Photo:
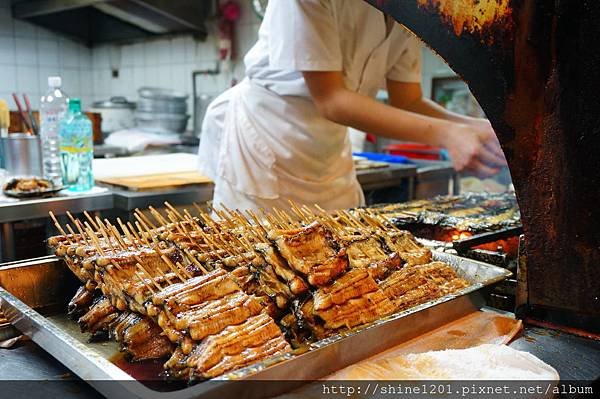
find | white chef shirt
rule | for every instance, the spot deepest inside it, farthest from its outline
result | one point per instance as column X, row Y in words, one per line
column 331, row 35
column 266, row 138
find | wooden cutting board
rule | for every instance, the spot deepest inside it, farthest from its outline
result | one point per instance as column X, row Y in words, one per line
column 159, row 181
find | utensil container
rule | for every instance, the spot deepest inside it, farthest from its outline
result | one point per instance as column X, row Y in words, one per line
column 22, row 154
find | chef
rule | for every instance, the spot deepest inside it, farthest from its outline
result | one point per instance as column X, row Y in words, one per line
column 281, row 134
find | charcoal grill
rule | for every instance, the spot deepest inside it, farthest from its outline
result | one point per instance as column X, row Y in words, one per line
column 494, row 241
column 487, row 229
column 534, row 67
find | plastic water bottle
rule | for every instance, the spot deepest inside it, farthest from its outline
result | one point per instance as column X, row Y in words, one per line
column 53, row 107
column 76, row 148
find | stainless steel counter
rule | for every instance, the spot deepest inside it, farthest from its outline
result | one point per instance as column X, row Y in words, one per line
column 14, row 211
column 391, row 176
column 129, row 200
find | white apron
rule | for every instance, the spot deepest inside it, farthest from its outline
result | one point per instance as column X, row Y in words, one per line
column 263, row 149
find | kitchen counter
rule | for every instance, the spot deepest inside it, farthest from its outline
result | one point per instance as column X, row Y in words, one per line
column 130, row 200
column 15, row 210
column 393, row 175
column 106, row 198
column 394, row 183
column 28, row 369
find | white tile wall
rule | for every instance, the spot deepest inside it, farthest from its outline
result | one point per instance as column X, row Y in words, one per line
column 29, row 54
column 169, row 62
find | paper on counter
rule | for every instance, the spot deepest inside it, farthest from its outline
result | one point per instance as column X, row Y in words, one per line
column 145, row 165
column 137, row 140
column 484, row 362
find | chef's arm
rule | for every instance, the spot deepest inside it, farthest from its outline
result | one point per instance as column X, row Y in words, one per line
column 472, row 146
column 346, row 107
column 409, row 97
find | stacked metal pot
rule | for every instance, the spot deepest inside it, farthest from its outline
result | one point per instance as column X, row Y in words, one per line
column 161, row 110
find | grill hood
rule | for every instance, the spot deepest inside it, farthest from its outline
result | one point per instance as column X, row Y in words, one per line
column 102, row 21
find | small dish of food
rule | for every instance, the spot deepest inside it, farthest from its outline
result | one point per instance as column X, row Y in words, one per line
column 27, row 187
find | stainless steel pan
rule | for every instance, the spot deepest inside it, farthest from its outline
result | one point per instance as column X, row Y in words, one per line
column 49, row 285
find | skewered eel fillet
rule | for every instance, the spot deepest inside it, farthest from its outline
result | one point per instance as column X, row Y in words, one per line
column 216, row 295
column 312, row 252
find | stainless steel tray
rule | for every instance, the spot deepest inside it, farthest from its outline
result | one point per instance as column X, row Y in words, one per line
column 31, row 288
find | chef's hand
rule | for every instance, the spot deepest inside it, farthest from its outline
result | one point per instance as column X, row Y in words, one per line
column 474, row 148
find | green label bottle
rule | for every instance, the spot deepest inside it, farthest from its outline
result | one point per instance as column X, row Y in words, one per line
column 76, row 148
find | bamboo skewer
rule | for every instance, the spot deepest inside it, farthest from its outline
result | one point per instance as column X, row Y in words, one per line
column 244, row 220
column 144, row 218
column 334, row 224
column 190, row 218
column 187, row 274
column 275, row 214
column 115, row 234
column 87, row 240
column 296, row 222
column 146, row 232
column 145, row 283
column 299, row 212
column 195, row 261
column 76, row 224
column 125, row 230
column 157, row 269
column 79, row 228
column 157, row 215
column 170, row 264
column 172, row 208
column 139, row 228
column 200, row 211
column 70, row 230
column 134, row 233
column 175, row 223
column 59, row 227
column 257, row 221
column 224, row 217
column 269, row 218
column 213, row 246
column 105, row 235
column 239, row 218
column 94, row 239
column 91, row 220
column 107, row 238
column 206, row 240
column 149, row 234
column 140, row 267
column 287, row 218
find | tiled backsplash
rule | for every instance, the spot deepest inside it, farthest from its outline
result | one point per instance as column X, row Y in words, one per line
column 29, row 54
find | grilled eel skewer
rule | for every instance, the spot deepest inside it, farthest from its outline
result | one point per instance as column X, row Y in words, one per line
column 216, row 296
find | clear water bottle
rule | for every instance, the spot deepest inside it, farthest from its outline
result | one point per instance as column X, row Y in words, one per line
column 76, row 148
column 53, row 107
